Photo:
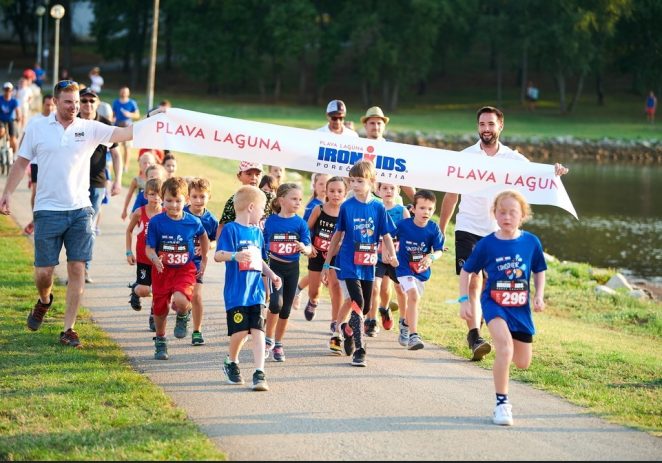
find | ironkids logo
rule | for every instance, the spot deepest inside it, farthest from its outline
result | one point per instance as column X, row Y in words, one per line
column 343, row 159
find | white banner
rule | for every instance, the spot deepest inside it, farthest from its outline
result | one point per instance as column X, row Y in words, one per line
column 313, row 151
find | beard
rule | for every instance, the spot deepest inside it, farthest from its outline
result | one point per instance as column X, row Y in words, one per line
column 489, row 139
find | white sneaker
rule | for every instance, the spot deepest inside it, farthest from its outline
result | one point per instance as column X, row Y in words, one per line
column 296, row 302
column 503, row 415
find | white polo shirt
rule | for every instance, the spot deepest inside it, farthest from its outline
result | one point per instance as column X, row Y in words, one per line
column 63, row 156
column 474, row 213
column 345, row 131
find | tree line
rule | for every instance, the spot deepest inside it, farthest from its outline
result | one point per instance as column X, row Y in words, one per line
column 380, row 49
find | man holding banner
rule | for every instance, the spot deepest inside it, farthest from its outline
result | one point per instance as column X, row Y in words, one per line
column 474, row 220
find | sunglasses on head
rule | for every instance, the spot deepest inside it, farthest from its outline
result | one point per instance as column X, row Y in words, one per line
column 337, row 118
column 87, row 100
column 66, row 83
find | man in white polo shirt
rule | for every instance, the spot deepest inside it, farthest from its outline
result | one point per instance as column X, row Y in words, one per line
column 474, row 219
column 62, row 145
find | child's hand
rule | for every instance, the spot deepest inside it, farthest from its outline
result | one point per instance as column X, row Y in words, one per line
column 123, row 214
column 158, row 265
column 276, row 281
column 538, row 304
column 394, row 261
column 466, row 311
column 313, row 252
column 131, row 259
column 324, row 276
column 243, row 256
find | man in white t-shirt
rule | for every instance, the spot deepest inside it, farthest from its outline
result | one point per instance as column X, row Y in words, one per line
column 335, row 115
column 62, row 145
column 474, row 219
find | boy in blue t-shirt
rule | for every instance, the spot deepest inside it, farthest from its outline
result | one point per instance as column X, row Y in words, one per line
column 421, row 243
column 199, row 192
column 509, row 256
column 170, row 247
column 241, row 247
column 361, row 221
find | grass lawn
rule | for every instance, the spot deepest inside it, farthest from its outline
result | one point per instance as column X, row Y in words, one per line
column 58, row 403
column 599, row 352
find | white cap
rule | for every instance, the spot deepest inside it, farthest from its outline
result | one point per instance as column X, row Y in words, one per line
column 7, row 85
column 336, row 106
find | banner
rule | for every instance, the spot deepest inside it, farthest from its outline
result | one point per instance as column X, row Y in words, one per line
column 309, row 150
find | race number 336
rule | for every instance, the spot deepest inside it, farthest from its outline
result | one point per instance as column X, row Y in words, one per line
column 510, row 293
column 365, row 254
column 174, row 254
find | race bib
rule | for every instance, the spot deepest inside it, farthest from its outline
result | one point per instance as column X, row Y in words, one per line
column 509, row 293
column 322, row 241
column 284, row 244
column 173, row 254
column 415, row 262
column 255, row 263
column 365, row 254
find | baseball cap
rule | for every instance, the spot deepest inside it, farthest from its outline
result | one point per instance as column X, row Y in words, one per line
column 7, row 85
column 87, row 91
column 248, row 165
column 336, row 107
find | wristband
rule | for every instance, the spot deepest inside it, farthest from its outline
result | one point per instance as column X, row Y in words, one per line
column 433, row 257
column 233, row 257
column 128, row 253
column 462, row 299
column 154, row 258
column 326, row 266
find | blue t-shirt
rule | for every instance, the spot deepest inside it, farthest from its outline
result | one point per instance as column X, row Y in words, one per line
column 312, row 204
column 363, row 224
column 396, row 213
column 509, row 264
column 281, row 233
column 8, row 109
column 415, row 243
column 243, row 282
column 129, row 105
column 209, row 223
column 174, row 239
column 141, row 200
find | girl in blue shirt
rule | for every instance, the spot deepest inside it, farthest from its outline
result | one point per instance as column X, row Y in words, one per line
column 286, row 237
column 509, row 256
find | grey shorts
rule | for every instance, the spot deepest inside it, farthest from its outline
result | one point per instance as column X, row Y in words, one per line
column 52, row 229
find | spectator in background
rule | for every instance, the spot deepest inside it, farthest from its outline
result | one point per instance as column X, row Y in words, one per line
column 651, row 107
column 532, row 95
column 40, row 75
column 335, row 115
column 24, row 97
column 96, row 81
column 10, row 114
column 125, row 110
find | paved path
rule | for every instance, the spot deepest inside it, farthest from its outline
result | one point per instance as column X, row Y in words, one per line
column 406, row 405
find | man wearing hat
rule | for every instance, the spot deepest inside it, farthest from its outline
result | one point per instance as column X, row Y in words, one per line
column 10, row 113
column 335, row 114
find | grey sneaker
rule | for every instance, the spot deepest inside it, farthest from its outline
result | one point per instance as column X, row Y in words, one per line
column 181, row 326
column 232, row 372
column 358, row 360
column 480, row 349
column 415, row 342
column 309, row 311
column 259, row 381
column 403, row 339
column 160, row 348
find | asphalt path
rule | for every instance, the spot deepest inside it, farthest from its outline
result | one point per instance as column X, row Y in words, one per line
column 420, row 405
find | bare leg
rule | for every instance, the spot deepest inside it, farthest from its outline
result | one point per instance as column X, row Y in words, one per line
column 503, row 343
column 75, row 285
column 197, row 307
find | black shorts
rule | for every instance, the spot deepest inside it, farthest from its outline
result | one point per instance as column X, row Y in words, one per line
column 465, row 243
column 246, row 319
column 315, row 263
column 522, row 337
column 12, row 130
column 33, row 173
column 382, row 269
column 144, row 274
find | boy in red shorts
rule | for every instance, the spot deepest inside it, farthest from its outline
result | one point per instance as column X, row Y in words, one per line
column 170, row 247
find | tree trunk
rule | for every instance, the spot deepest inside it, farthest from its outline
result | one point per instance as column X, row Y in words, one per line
column 386, row 91
column 578, row 92
column 525, row 73
column 277, row 86
column 262, row 89
column 599, row 89
column 365, row 93
column 499, row 78
column 395, row 96
column 560, row 82
column 168, row 41
column 303, row 78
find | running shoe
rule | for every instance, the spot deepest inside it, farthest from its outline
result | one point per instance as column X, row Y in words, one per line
column 151, row 323
column 415, row 342
column 503, row 415
column 358, row 360
column 259, row 381
column 335, row 345
column 36, row 315
column 181, row 326
column 371, row 329
column 309, row 311
column 160, row 348
column 232, row 372
column 387, row 321
column 348, row 338
column 403, row 339
column 268, row 347
column 393, row 306
column 135, row 299
column 279, row 354
column 70, row 338
column 296, row 302
column 197, row 339
column 333, row 327
column 480, row 349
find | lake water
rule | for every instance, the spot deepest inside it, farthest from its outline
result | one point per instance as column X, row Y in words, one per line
column 620, row 218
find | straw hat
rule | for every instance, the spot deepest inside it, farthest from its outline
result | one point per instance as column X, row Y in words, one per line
column 375, row 111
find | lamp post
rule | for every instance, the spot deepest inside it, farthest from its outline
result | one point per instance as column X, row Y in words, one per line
column 40, row 11
column 152, row 57
column 57, row 13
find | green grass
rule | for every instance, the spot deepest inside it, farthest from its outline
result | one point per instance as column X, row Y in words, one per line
column 58, row 403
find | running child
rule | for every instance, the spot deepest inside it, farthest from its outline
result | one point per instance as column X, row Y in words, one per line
column 140, row 218
column 385, row 273
column 268, row 184
column 241, row 247
column 170, row 246
column 318, row 184
column 199, row 193
column 421, row 243
column 509, row 256
column 153, row 171
column 361, row 221
column 322, row 223
column 286, row 237
column 138, row 182
column 170, row 164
